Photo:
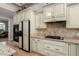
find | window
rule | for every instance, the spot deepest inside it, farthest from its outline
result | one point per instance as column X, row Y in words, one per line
column 2, row 26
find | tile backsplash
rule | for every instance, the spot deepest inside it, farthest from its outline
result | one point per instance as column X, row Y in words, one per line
column 58, row 29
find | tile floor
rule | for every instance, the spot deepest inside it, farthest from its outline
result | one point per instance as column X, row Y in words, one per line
column 19, row 52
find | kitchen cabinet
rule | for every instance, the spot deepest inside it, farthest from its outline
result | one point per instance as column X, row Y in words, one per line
column 34, row 45
column 37, row 46
column 48, row 13
column 72, row 49
column 18, row 17
column 48, row 48
column 52, row 48
column 55, row 12
column 39, row 21
column 73, row 16
column 77, row 50
column 59, row 10
column 40, row 47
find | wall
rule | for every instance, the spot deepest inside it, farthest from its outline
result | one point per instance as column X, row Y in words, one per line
column 58, row 29
column 10, row 29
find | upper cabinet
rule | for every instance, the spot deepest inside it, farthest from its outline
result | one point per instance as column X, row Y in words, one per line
column 55, row 12
column 40, row 21
column 48, row 12
column 59, row 10
column 73, row 16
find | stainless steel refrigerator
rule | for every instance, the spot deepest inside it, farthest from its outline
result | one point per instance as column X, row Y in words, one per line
column 24, row 35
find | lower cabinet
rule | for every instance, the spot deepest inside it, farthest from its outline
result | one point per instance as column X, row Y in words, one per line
column 54, row 48
column 77, row 50
column 33, row 45
column 46, row 47
column 37, row 46
column 72, row 49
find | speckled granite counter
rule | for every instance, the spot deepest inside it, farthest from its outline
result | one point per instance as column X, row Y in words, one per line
column 66, row 40
column 5, row 50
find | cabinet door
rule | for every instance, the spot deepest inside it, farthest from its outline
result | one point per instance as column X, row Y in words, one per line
column 34, row 45
column 42, row 23
column 72, row 49
column 77, row 51
column 48, row 11
column 37, row 20
column 73, row 16
column 59, row 10
column 40, row 47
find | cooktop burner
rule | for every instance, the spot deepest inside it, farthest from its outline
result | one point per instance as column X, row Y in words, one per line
column 55, row 37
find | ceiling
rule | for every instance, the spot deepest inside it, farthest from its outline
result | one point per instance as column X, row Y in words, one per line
column 23, row 4
column 10, row 9
column 6, row 13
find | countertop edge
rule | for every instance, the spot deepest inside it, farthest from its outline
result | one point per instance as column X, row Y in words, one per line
column 65, row 40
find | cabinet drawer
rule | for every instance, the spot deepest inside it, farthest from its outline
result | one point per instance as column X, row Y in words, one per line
column 55, row 48
column 53, row 53
column 54, row 43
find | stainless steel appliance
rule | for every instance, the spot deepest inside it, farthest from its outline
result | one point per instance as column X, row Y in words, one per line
column 24, row 35
column 55, row 37
column 15, row 32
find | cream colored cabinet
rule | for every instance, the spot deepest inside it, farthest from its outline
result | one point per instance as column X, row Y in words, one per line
column 46, row 47
column 48, row 13
column 55, row 12
column 34, row 45
column 60, row 12
column 39, row 21
column 72, row 49
column 77, row 50
column 40, row 47
column 37, row 46
column 42, row 24
column 53, row 48
column 18, row 17
column 73, row 16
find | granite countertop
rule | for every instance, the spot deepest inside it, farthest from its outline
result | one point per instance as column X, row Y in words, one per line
column 5, row 50
column 66, row 40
